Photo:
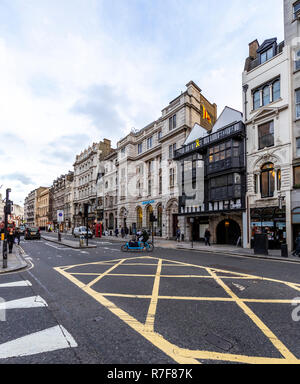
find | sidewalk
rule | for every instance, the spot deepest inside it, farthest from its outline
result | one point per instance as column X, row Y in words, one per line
column 67, row 243
column 15, row 261
column 216, row 249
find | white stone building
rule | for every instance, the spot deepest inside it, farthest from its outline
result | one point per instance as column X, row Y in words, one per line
column 267, row 114
column 292, row 41
column 143, row 174
column 86, row 170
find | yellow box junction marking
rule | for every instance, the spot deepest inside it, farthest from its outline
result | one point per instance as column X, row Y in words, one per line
column 181, row 355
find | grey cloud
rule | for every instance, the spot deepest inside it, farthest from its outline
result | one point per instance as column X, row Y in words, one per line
column 65, row 148
column 100, row 103
column 18, row 177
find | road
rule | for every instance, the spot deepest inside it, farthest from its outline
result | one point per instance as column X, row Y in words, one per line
column 167, row 307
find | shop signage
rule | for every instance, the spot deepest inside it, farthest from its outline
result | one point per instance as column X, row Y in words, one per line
column 148, row 202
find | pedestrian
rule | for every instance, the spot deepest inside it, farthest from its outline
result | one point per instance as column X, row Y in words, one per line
column 178, row 233
column 207, row 237
column 18, row 235
column 116, row 232
column 10, row 239
column 297, row 251
column 126, row 231
column 122, row 233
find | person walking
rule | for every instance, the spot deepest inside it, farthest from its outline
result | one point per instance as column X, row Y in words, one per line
column 178, row 233
column 207, row 237
column 18, row 235
column 10, row 239
column 116, row 232
column 122, row 233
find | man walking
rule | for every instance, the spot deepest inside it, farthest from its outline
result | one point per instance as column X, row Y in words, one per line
column 18, row 235
column 10, row 239
column 178, row 233
column 207, row 237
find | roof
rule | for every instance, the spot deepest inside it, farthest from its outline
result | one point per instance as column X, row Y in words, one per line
column 196, row 133
column 227, row 117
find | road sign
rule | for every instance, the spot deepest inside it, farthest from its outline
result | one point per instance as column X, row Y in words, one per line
column 60, row 216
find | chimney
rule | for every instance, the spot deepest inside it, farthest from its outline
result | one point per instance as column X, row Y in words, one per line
column 253, row 47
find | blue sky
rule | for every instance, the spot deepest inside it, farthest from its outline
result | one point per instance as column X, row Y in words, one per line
column 73, row 72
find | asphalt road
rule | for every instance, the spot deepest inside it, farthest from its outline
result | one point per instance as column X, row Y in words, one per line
column 107, row 307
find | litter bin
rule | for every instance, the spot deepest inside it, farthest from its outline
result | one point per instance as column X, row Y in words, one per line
column 261, row 244
column 284, row 250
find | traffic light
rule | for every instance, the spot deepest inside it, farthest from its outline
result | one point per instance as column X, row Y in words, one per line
column 9, row 207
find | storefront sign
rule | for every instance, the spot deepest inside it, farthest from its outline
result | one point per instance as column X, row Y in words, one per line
column 148, row 202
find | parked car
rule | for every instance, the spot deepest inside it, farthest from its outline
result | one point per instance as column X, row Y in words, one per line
column 32, row 233
column 81, row 231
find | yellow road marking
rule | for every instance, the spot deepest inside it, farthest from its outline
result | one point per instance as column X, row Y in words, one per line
column 149, row 326
column 184, row 356
column 270, row 335
column 104, row 274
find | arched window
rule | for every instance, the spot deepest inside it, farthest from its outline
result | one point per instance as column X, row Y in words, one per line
column 266, row 95
column 139, row 218
column 276, row 90
column 267, row 180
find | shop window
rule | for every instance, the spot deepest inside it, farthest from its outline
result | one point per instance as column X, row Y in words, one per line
column 266, row 135
column 267, row 180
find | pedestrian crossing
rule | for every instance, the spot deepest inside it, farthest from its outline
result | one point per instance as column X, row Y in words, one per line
column 27, row 328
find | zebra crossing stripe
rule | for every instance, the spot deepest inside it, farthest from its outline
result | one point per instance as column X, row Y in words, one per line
column 48, row 340
column 23, row 283
column 26, row 302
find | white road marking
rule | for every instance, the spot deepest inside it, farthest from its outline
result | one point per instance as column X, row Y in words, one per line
column 240, row 287
column 54, row 246
column 23, row 283
column 112, row 249
column 51, row 339
column 26, row 302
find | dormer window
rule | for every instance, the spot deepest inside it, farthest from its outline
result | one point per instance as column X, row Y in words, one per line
column 266, row 55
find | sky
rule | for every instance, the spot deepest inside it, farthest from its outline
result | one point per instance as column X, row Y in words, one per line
column 73, row 72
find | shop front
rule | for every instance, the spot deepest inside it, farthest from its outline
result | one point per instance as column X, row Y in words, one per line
column 270, row 221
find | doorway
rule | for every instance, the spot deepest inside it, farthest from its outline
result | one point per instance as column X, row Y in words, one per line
column 228, row 232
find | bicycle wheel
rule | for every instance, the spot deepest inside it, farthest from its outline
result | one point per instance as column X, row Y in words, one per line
column 150, row 248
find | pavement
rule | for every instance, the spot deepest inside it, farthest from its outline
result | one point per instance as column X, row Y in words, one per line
column 215, row 249
column 15, row 261
column 68, row 243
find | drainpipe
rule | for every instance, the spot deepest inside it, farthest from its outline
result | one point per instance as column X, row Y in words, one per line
column 245, row 89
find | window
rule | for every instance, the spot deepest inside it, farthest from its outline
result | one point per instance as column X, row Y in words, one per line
column 149, row 187
column 267, row 180
column 149, row 142
column 267, row 55
column 296, row 9
column 172, row 177
column 160, row 184
column 279, row 180
column 266, row 95
column 297, row 176
column 194, row 174
column 159, row 135
column 220, row 152
column 297, row 99
column 276, row 90
column 297, row 61
column 255, row 184
column 123, row 152
column 172, row 122
column 256, row 100
column 140, row 148
column 266, row 135
column 172, row 149
column 298, row 147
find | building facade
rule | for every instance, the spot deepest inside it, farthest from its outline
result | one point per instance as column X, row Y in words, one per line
column 143, row 173
column 42, row 208
column 69, row 201
column 30, row 209
column 212, row 181
column 267, row 112
column 292, row 41
column 57, row 192
column 87, row 168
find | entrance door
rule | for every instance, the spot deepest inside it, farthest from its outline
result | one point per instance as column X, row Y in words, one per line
column 296, row 231
column 175, row 224
column 228, row 232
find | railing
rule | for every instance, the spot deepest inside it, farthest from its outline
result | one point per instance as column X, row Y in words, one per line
column 210, row 139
